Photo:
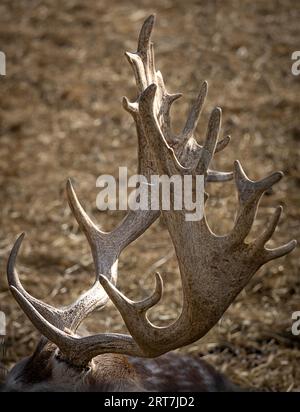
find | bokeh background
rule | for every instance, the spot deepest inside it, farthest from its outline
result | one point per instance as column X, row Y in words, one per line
column 61, row 117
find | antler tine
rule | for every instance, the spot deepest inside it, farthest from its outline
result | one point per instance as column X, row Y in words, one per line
column 215, row 176
column 127, row 306
column 214, row 269
column 94, row 235
column 208, row 150
column 105, row 248
column 166, row 160
column 259, row 243
column 164, row 154
column 270, row 229
column 194, row 114
column 222, row 144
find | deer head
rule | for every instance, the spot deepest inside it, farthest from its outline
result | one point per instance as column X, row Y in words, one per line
column 214, row 269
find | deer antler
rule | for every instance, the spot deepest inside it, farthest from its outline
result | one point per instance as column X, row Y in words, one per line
column 184, row 145
column 214, row 269
column 105, row 248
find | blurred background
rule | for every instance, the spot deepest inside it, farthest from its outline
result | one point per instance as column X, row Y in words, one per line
column 61, row 117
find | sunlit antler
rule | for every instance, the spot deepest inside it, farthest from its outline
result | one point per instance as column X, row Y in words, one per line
column 184, row 144
column 214, row 269
column 106, row 247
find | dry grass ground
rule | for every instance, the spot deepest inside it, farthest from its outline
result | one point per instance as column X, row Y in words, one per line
column 61, row 117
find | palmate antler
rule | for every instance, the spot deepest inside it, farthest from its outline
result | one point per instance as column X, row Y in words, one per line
column 214, row 269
